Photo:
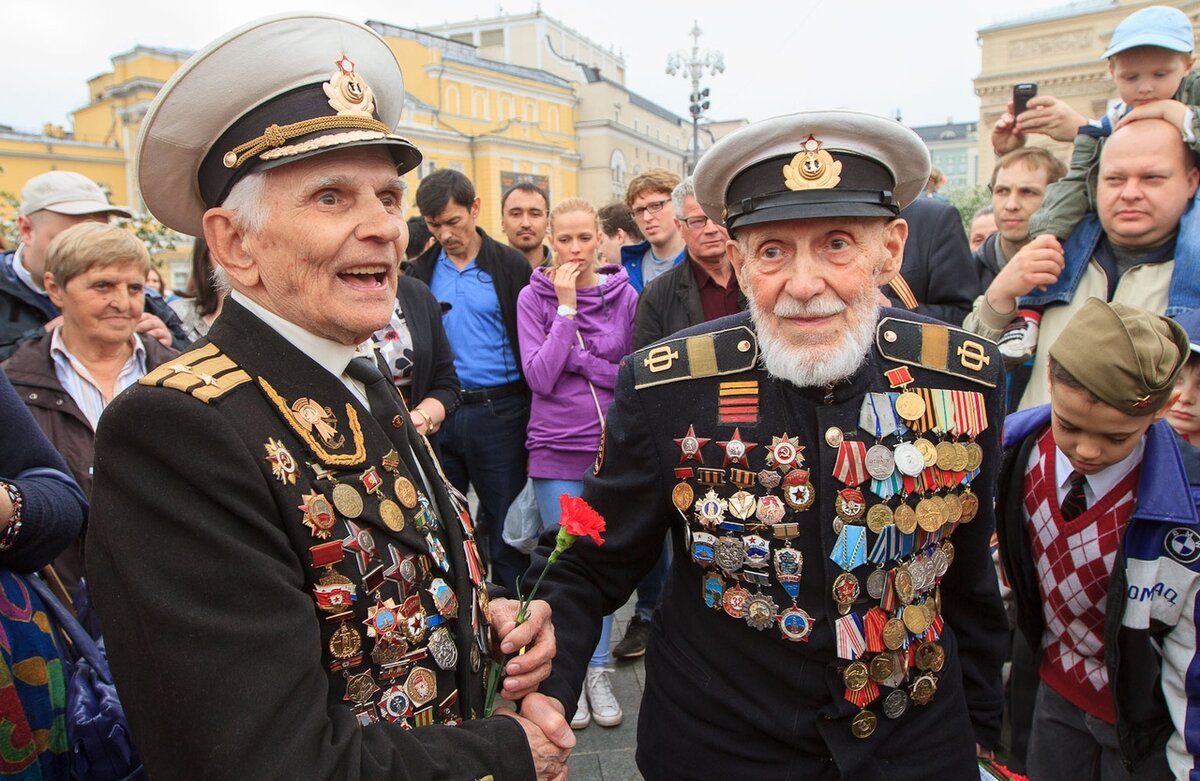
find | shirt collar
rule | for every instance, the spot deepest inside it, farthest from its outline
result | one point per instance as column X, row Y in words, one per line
column 330, row 355
column 1106, row 479
column 57, row 345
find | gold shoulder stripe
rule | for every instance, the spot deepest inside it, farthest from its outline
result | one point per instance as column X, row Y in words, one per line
column 333, row 459
column 691, row 357
column 205, row 373
column 900, row 287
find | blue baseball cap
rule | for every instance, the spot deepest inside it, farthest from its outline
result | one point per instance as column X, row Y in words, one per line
column 1158, row 25
column 1191, row 323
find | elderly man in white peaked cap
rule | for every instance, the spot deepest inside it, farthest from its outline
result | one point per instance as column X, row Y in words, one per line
column 289, row 587
column 827, row 469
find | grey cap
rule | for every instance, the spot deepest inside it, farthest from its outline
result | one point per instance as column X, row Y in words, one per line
column 269, row 93
column 812, row 164
column 66, row 192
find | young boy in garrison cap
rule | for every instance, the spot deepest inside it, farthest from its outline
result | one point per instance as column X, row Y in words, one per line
column 1101, row 544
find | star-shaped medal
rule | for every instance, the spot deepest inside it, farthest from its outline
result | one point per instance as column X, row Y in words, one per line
column 318, row 514
column 361, row 544
column 785, row 453
column 690, row 444
column 736, row 449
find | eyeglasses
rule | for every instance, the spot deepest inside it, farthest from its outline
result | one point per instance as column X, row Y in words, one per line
column 695, row 223
column 654, row 207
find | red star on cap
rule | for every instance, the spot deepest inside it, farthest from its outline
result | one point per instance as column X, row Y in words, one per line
column 345, row 65
column 736, row 449
column 690, row 437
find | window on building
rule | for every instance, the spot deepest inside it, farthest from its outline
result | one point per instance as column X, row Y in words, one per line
column 466, row 38
column 530, row 112
column 491, row 38
column 505, row 108
column 452, row 103
column 479, row 104
column 552, row 119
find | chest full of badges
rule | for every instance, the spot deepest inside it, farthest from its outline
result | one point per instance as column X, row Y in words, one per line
column 902, row 485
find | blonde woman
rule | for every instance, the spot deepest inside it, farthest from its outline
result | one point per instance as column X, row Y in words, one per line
column 575, row 323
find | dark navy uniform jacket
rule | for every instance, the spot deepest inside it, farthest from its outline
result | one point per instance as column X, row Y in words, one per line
column 722, row 699
column 200, row 556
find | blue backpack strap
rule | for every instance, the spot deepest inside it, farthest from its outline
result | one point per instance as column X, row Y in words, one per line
column 84, row 647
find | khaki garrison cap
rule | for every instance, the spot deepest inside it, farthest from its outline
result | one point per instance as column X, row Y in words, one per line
column 266, row 94
column 812, row 164
column 1125, row 356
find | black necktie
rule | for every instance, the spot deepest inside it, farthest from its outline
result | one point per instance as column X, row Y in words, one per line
column 1075, row 502
column 385, row 407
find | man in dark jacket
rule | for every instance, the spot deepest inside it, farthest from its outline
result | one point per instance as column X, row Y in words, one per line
column 483, row 441
column 940, row 278
column 51, row 203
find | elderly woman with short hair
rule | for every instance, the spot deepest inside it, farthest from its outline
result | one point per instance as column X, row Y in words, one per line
column 96, row 275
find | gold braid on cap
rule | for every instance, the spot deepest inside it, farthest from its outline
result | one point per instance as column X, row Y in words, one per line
column 348, row 95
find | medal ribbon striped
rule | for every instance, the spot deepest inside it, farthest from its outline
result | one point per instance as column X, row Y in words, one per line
column 887, row 546
column 886, row 489
column 849, row 550
column 864, row 697
column 873, row 623
column 850, row 640
column 937, row 399
column 851, row 466
column 878, row 415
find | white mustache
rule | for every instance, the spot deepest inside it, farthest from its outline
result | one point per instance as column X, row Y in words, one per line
column 817, row 307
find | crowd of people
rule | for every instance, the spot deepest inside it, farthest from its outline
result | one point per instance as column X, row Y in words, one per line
column 898, row 499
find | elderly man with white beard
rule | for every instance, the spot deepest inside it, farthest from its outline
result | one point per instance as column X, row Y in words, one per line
column 826, row 469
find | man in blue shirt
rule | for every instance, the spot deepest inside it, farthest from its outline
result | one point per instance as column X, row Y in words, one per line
column 649, row 197
column 483, row 441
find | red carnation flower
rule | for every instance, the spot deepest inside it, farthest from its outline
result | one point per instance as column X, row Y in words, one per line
column 579, row 519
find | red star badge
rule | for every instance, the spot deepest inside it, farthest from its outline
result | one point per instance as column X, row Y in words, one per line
column 690, row 444
column 736, row 449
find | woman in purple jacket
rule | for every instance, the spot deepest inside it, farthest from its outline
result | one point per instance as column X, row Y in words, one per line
column 575, row 323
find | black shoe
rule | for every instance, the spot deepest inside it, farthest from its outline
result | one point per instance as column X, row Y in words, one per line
column 633, row 644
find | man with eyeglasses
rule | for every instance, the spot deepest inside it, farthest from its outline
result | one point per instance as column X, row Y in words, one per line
column 701, row 289
column 647, row 195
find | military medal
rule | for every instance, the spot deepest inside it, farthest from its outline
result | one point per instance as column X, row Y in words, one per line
column 682, row 495
column 703, row 548
column 414, row 619
column 784, row 453
column 798, row 491
column 795, row 625
column 905, row 518
column 345, row 642
column 735, row 602
column 713, row 590
column 953, row 507
column 443, row 598
column 850, row 504
column 442, row 648
column 405, row 491
column 923, row 689
column 845, row 591
column 395, row 704
column 916, row 620
column 770, row 510
column 945, row 456
column 736, row 450
column 283, row 466
column 689, row 446
column 894, row 634
column 876, row 582
column 833, row 436
column 789, row 566
column 927, row 450
column 883, row 667
column 361, row 544
column 710, row 510
column 880, row 462
column 929, row 657
column 902, row 584
column 757, row 550
column 347, row 501
column 850, row 467
column 729, row 553
column 879, row 516
column 360, row 688
column 768, row 478
column 334, row 592
column 970, row 506
column 908, row 459
column 928, row 517
column 742, row 505
column 761, row 611
column 392, row 515
column 863, row 724
column 318, row 515
column 910, row 406
column 895, row 704
column 974, row 456
column 311, row 416
column 421, row 686
column 856, row 676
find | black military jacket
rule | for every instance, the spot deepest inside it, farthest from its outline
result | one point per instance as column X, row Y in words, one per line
column 281, row 594
column 727, row 692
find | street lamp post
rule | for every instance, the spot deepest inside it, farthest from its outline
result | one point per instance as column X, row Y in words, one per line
column 692, row 66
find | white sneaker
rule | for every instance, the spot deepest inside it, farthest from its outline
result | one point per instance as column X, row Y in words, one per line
column 605, row 708
column 583, row 716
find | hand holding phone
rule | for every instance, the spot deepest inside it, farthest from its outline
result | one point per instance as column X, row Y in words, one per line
column 1021, row 94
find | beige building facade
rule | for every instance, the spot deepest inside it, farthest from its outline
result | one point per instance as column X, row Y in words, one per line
column 1061, row 49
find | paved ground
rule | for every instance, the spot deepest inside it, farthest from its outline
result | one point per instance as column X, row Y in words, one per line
column 606, row 753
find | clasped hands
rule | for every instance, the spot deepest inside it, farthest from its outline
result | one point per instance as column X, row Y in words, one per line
column 546, row 728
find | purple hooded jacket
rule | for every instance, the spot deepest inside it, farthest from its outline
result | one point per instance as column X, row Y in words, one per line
column 564, row 429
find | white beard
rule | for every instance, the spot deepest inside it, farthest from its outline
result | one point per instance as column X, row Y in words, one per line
column 816, row 365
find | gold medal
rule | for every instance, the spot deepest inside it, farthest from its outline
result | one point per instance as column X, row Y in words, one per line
column 863, row 724
column 929, row 657
column 940, row 505
column 960, row 457
column 318, row 515
column 905, row 518
column 347, row 500
column 974, row 456
column 945, row 455
column 953, row 508
column 894, row 634
column 878, row 517
column 928, row 517
column 405, row 492
column 910, row 406
column 916, row 620
column 970, row 506
column 682, row 497
column 948, row 549
column 923, row 689
column 902, row 582
column 927, row 450
column 345, row 643
column 883, row 667
column 856, row 676
column 392, row 515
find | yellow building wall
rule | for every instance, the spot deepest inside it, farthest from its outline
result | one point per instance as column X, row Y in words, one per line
column 22, row 159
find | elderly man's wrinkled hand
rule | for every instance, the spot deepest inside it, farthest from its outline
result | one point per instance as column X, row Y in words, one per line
column 549, row 759
column 154, row 327
column 536, row 635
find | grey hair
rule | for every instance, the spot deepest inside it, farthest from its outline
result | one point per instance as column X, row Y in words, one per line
column 247, row 201
column 683, row 190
